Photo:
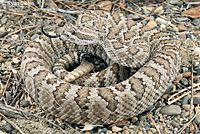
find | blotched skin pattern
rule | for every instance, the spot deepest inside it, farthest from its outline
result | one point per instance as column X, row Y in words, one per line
column 119, row 42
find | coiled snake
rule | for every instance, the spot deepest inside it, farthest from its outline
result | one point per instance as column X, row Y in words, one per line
column 119, row 42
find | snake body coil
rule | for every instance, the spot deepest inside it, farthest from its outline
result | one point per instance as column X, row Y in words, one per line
column 119, row 42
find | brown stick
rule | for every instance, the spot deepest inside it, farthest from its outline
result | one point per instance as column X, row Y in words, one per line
column 154, row 123
column 192, row 88
column 7, row 84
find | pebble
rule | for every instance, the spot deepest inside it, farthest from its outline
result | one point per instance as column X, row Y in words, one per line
column 169, row 88
column 196, row 100
column 25, row 103
column 147, row 128
column 104, row 130
column 4, row 122
column 18, row 49
column 144, row 131
column 15, row 37
column 151, row 24
column 126, row 132
column 182, row 28
column 116, row 129
column 2, row 31
column 7, row 128
column 197, row 120
column 133, row 16
column 134, row 119
column 153, row 130
column 1, row 59
column 16, row 60
column 147, row 10
column 185, row 100
column 171, row 110
column 4, row 20
column 184, row 81
column 149, row 132
column 185, row 69
column 173, row 1
column 87, row 132
column 162, row 21
column 34, row 36
column 187, row 107
column 185, row 114
column 175, row 124
column 109, row 132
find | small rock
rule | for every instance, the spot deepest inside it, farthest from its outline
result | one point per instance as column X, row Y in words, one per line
column 104, row 130
column 144, row 131
column 3, row 122
column 4, row 20
column 7, row 128
column 140, row 132
column 159, row 8
column 25, row 103
column 2, row 29
column 162, row 21
column 153, row 130
column 147, row 10
column 175, row 124
column 87, row 132
column 187, row 107
column 116, row 129
column 185, row 114
column 196, row 100
column 147, row 128
column 134, row 17
column 126, row 132
column 108, row 132
column 169, row 88
column 16, row 60
column 198, row 71
column 149, row 132
column 184, row 81
column 185, row 100
column 173, row 1
column 134, row 119
column 171, row 110
column 185, row 69
column 182, row 28
column 34, row 37
column 21, row 34
column 2, row 32
column 151, row 24
column 19, row 48
column 161, row 11
column 197, row 120
column 15, row 37
column 8, row 96
column 1, row 59
column 62, row 126
column 196, row 132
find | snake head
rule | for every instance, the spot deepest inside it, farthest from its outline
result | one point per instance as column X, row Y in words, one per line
column 78, row 35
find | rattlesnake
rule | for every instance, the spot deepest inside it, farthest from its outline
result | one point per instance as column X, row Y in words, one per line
column 119, row 42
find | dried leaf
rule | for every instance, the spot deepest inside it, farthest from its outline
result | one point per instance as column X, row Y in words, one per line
column 192, row 12
column 105, row 5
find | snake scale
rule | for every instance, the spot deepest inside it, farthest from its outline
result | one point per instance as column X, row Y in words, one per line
column 121, row 43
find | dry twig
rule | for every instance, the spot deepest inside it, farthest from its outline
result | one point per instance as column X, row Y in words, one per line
column 154, row 123
column 192, row 90
column 183, row 128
